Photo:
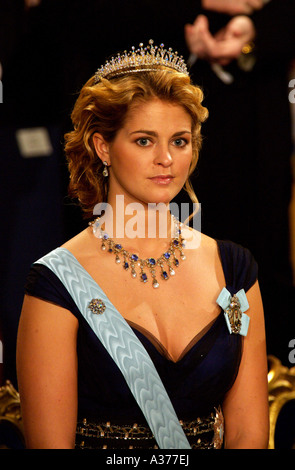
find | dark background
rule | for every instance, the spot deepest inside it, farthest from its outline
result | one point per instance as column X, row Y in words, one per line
column 243, row 179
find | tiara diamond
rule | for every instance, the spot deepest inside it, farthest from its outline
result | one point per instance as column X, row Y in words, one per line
column 143, row 59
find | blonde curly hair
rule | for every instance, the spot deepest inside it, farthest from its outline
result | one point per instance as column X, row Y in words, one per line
column 102, row 107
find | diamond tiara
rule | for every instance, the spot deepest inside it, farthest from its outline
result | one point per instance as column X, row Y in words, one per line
column 144, row 59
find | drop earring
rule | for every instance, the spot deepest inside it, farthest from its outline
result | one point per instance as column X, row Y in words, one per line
column 105, row 170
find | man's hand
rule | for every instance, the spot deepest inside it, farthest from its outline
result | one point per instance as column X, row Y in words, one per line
column 225, row 45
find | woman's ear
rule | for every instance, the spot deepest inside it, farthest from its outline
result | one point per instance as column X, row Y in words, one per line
column 101, row 147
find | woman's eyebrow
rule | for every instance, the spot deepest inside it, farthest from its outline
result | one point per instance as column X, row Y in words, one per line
column 181, row 133
column 154, row 134
column 143, row 131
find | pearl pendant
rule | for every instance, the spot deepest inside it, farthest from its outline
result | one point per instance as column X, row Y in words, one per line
column 155, row 284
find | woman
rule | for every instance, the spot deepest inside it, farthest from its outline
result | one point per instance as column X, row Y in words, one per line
column 135, row 142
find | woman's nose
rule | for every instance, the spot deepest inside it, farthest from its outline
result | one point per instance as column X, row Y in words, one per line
column 163, row 156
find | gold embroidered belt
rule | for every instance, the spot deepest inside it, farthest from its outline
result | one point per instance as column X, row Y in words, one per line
column 203, row 433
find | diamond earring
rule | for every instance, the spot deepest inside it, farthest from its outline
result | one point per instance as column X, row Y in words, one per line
column 105, row 170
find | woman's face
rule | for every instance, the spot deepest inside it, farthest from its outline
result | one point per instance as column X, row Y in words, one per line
column 151, row 154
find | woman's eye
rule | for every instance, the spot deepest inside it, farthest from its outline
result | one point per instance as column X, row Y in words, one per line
column 180, row 142
column 143, row 142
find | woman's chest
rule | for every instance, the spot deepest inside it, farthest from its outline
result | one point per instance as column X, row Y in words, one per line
column 180, row 307
column 174, row 313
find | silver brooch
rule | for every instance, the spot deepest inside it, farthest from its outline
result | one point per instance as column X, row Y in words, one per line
column 234, row 313
column 234, row 307
column 97, row 306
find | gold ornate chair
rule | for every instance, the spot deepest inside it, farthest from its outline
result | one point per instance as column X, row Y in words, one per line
column 281, row 393
column 11, row 429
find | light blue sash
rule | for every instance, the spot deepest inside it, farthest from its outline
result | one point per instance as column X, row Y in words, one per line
column 123, row 346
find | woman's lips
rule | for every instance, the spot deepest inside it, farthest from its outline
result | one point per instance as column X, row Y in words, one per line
column 162, row 179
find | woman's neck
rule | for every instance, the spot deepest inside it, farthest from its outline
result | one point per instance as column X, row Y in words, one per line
column 143, row 229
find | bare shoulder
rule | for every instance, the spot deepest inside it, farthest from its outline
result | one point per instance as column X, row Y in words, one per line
column 77, row 242
column 204, row 254
column 82, row 244
column 205, row 245
column 209, row 245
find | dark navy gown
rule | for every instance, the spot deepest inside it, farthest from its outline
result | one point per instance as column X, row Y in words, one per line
column 196, row 384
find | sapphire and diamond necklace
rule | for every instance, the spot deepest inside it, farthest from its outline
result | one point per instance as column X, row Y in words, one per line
column 167, row 262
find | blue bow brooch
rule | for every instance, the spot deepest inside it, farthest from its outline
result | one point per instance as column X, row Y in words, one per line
column 234, row 307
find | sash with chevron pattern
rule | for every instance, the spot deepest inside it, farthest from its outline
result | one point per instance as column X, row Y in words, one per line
column 123, row 346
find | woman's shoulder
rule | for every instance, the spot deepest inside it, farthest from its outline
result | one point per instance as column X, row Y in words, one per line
column 79, row 242
column 196, row 240
column 239, row 266
column 235, row 253
column 227, row 250
column 43, row 280
column 82, row 246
